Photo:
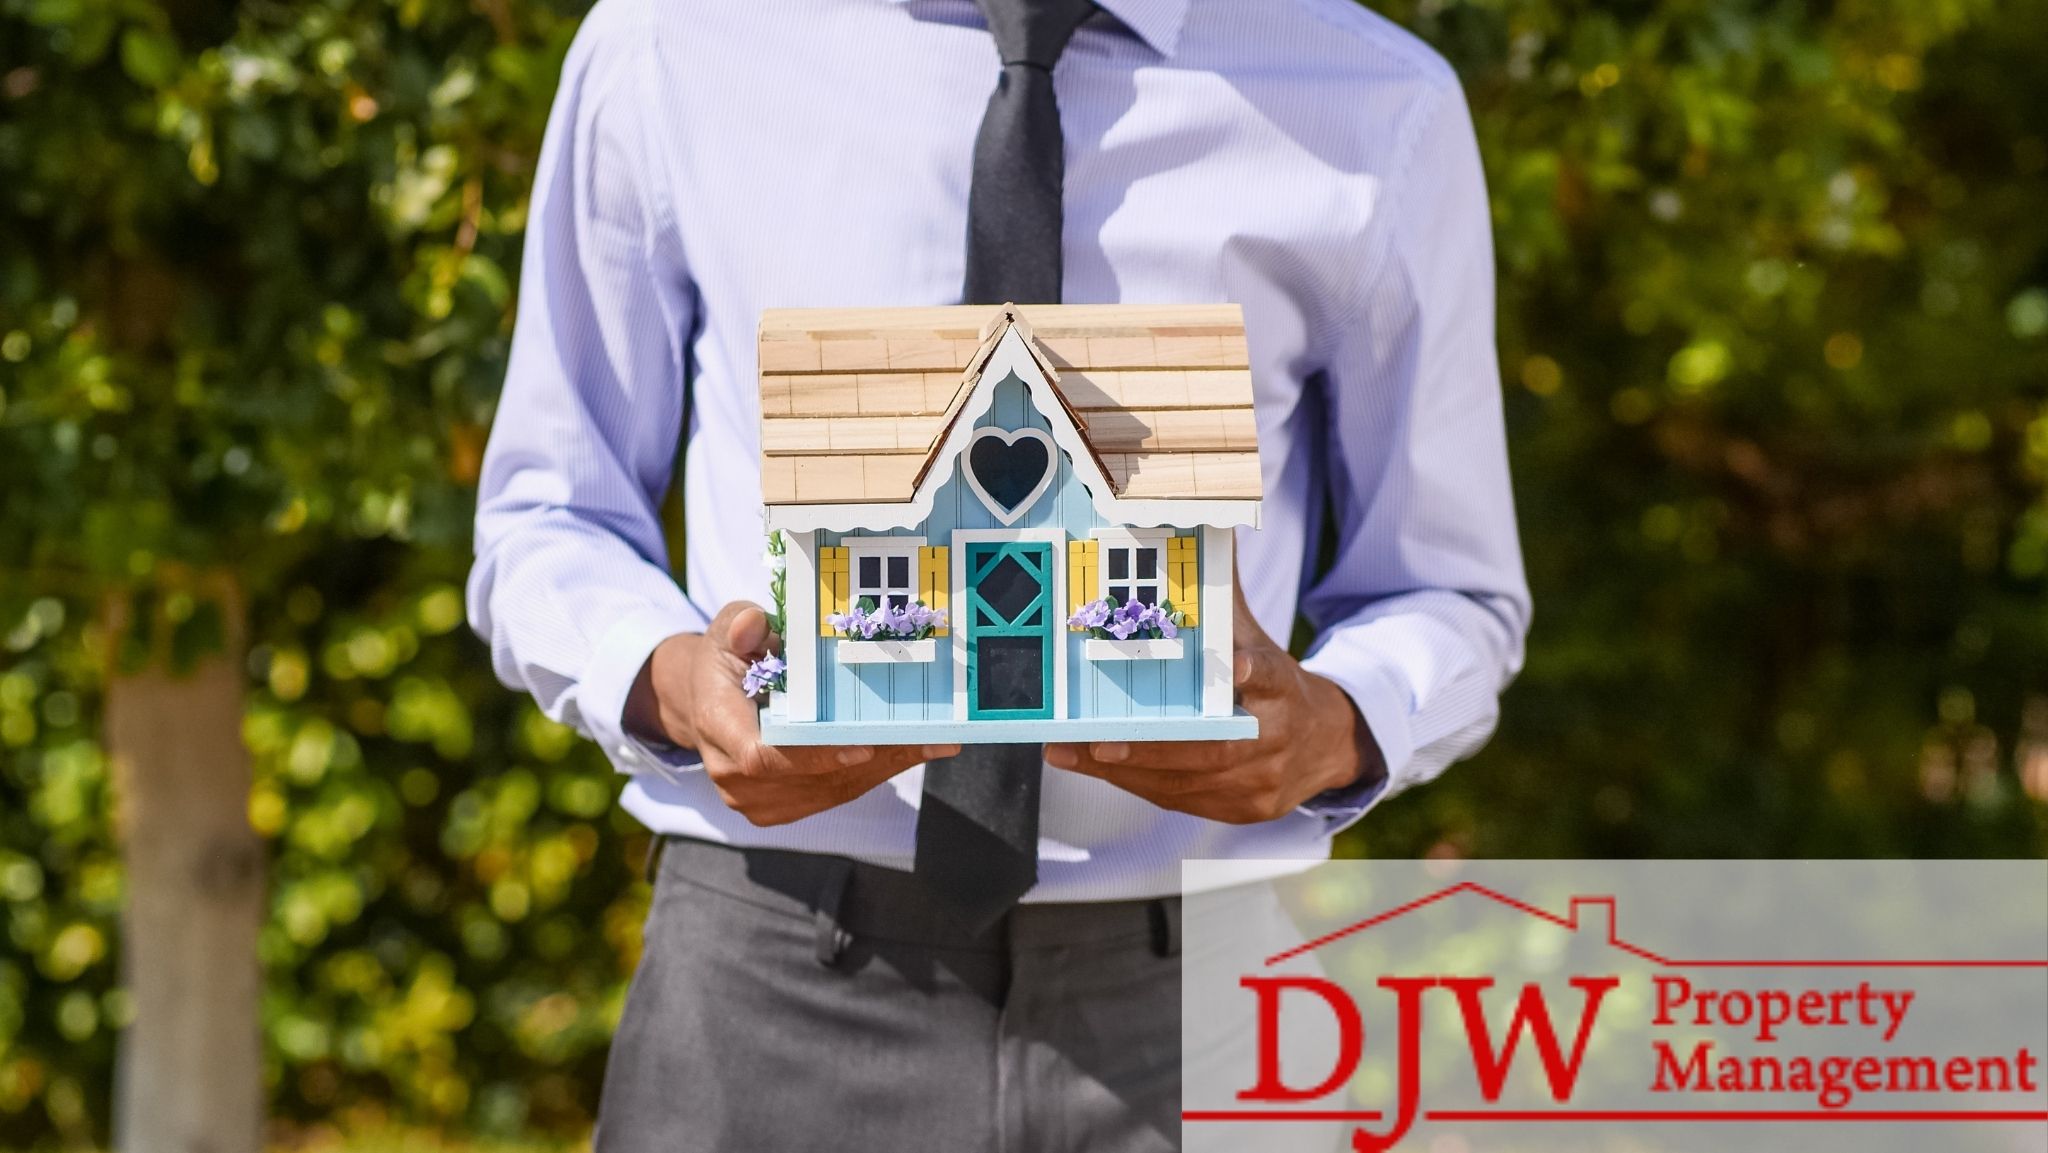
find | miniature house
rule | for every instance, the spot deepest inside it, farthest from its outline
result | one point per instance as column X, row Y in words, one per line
column 1061, row 482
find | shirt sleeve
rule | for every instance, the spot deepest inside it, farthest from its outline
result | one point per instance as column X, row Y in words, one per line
column 571, row 586
column 1421, row 618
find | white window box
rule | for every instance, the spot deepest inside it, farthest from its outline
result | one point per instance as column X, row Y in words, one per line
column 1109, row 649
column 888, row 652
column 778, row 703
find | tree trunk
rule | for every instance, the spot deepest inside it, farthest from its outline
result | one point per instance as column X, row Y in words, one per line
column 191, row 1064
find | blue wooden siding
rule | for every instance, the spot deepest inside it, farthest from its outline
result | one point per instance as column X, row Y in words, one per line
column 874, row 692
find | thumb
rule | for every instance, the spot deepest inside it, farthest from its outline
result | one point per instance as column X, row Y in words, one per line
column 1261, row 669
column 740, row 628
column 1259, row 666
column 1243, row 625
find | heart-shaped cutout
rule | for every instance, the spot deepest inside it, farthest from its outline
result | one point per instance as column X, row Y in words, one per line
column 1009, row 471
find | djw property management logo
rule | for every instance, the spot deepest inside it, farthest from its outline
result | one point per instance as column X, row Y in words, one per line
column 1520, row 1024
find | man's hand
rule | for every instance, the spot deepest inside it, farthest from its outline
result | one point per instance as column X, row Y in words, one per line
column 1311, row 739
column 689, row 694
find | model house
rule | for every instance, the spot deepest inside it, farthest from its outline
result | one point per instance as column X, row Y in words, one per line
column 1007, row 523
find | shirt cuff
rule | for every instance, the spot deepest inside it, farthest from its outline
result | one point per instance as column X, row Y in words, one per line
column 1383, row 703
column 608, row 680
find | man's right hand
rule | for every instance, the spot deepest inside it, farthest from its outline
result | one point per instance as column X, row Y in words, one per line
column 688, row 694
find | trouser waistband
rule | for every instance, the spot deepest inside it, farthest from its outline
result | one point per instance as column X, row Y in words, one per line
column 848, row 898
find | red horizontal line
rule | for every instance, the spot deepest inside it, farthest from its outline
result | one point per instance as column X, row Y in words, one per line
column 1720, row 964
column 1744, row 1115
column 1257, row 1115
column 1654, row 1115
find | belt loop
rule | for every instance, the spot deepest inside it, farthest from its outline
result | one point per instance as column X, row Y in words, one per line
column 655, row 847
column 1165, row 914
column 832, row 936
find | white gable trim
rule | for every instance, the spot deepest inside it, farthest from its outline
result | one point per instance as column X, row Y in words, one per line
column 1014, row 355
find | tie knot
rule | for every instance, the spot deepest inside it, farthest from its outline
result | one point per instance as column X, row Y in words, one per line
column 1034, row 32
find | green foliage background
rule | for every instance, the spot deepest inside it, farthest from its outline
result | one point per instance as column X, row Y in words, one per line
column 1774, row 285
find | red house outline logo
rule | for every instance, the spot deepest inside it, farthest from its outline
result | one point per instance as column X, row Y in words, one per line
column 1586, row 911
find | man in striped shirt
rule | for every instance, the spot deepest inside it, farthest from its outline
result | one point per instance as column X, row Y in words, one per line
column 1302, row 158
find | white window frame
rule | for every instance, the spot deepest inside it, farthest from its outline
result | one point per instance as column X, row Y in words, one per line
column 883, row 547
column 1131, row 540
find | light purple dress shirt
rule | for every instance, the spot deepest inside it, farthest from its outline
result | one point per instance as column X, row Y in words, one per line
column 1305, row 159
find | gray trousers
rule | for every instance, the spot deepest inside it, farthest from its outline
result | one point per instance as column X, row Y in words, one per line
column 788, row 1001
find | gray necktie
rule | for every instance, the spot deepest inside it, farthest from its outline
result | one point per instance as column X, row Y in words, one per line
column 977, row 829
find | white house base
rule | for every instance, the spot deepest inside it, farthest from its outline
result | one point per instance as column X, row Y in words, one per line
column 1241, row 727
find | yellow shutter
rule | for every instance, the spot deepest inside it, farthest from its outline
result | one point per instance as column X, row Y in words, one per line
column 1084, row 558
column 934, row 578
column 1183, row 582
column 834, row 576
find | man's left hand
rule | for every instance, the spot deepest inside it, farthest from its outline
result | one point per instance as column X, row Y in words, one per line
column 1311, row 739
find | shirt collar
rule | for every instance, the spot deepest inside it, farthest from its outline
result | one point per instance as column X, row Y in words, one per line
column 1156, row 22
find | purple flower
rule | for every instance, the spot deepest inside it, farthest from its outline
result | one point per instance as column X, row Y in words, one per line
column 763, row 675
column 1093, row 615
column 909, row 622
column 1106, row 618
column 919, row 620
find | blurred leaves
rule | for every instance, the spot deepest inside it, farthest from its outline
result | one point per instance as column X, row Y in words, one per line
column 255, row 284
column 1775, row 282
column 1774, row 328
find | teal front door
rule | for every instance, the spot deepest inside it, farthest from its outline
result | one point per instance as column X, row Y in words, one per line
column 1009, row 631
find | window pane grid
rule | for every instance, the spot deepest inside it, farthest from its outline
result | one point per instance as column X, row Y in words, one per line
column 1131, row 572
column 885, row 580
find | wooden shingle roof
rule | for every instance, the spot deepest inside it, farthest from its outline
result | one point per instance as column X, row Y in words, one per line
column 855, row 403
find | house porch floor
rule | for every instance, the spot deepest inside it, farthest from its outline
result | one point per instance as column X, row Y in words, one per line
column 1240, row 727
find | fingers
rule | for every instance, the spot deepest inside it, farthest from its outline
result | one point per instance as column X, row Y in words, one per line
column 1167, row 756
column 740, row 755
column 771, row 786
column 1156, row 785
column 1244, row 793
column 888, row 760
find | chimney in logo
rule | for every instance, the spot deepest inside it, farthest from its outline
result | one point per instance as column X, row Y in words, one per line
column 1593, row 919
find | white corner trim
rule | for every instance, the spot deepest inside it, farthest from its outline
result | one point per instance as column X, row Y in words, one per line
column 1052, row 468
column 890, row 652
column 1148, row 649
column 1219, row 609
column 800, row 608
